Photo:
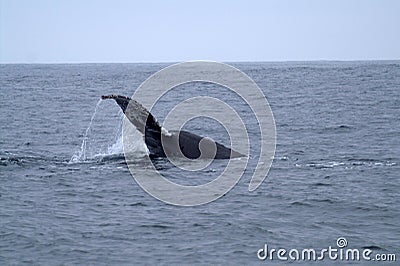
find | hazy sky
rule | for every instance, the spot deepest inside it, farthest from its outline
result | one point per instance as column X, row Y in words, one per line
column 38, row 31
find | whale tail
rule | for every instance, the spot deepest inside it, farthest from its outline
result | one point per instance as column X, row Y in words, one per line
column 143, row 120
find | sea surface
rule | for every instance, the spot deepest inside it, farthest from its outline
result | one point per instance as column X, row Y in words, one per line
column 68, row 197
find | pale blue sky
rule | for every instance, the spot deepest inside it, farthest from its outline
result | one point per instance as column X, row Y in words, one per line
column 60, row 31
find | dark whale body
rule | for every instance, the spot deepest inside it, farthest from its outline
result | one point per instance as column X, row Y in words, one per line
column 161, row 144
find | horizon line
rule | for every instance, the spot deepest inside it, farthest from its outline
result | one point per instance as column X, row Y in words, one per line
column 174, row 62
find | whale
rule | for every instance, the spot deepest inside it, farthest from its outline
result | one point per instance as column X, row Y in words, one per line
column 163, row 143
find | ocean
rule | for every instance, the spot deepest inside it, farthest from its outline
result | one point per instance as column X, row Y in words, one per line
column 68, row 197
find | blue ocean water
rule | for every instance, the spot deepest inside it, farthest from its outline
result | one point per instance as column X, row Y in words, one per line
column 335, row 173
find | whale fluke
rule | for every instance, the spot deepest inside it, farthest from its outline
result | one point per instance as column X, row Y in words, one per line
column 188, row 142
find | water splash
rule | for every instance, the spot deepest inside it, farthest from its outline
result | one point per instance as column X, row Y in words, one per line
column 116, row 148
column 81, row 154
